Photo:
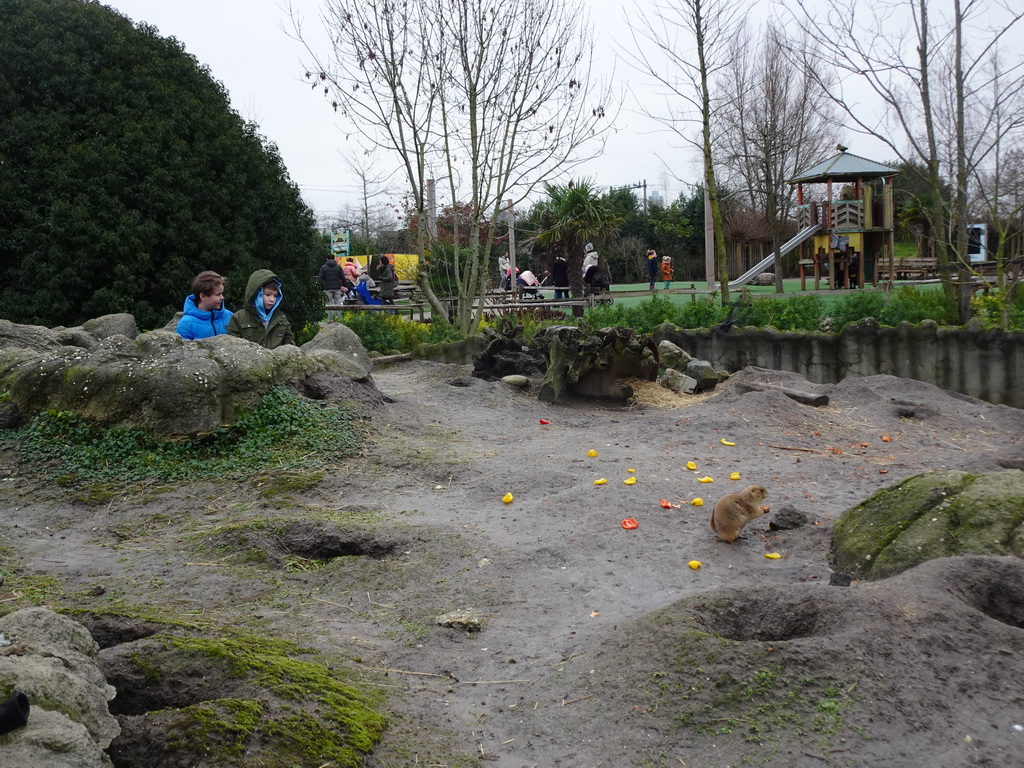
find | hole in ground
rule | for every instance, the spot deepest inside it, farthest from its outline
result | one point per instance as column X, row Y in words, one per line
column 768, row 618
column 109, row 630
column 994, row 586
column 278, row 544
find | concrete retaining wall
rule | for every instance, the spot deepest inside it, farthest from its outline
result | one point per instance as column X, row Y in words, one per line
column 988, row 365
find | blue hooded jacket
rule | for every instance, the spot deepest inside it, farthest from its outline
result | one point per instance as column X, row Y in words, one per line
column 197, row 324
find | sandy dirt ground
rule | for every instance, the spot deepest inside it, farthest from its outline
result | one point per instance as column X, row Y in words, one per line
column 598, row 645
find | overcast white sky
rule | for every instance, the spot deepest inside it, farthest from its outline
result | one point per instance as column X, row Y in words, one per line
column 245, row 45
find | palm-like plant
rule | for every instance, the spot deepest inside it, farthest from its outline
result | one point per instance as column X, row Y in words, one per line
column 572, row 215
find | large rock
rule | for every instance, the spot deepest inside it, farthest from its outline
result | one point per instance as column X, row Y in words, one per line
column 936, row 514
column 673, row 356
column 157, row 381
column 53, row 661
column 703, row 373
column 338, row 347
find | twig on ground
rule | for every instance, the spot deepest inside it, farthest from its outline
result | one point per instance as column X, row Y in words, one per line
column 489, row 682
column 573, row 701
column 407, row 672
column 382, row 605
column 339, row 605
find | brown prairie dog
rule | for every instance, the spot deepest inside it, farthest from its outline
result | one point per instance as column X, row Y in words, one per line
column 735, row 510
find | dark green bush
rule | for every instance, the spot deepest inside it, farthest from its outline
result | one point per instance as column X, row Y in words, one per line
column 373, row 331
column 798, row 313
column 912, row 305
column 649, row 314
column 856, row 306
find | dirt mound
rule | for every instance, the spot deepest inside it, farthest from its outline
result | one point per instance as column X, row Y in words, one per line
column 811, row 675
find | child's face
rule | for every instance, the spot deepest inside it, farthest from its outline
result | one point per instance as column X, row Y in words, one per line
column 269, row 296
column 208, row 302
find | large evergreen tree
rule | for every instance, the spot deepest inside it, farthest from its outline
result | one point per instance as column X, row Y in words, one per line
column 124, row 172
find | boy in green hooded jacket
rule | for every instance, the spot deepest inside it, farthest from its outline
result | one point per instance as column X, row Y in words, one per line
column 260, row 319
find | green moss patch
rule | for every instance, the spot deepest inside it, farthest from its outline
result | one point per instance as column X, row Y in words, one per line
column 259, row 701
column 284, row 433
column 936, row 514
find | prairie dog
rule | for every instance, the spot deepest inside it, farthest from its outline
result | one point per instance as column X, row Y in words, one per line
column 734, row 510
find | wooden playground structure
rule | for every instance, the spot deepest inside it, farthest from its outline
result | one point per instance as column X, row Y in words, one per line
column 855, row 236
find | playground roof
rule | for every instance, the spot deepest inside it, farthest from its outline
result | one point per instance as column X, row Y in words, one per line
column 843, row 167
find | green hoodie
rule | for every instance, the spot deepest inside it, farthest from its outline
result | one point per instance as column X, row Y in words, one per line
column 248, row 323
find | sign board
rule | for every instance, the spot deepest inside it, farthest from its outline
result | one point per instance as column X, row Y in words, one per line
column 977, row 245
column 340, row 239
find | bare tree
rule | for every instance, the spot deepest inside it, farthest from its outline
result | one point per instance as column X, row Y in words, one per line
column 660, row 54
column 371, row 214
column 923, row 73
column 517, row 108
column 776, row 121
column 996, row 125
column 496, row 97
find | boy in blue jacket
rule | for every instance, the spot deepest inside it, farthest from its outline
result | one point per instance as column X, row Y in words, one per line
column 204, row 310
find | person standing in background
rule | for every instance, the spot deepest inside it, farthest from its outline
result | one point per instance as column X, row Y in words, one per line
column 560, row 277
column 331, row 278
column 652, row 268
column 666, row 271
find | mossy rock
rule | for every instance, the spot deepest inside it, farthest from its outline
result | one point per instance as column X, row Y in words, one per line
column 936, row 514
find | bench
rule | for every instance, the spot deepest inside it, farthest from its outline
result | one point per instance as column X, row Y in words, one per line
column 920, row 267
column 411, row 308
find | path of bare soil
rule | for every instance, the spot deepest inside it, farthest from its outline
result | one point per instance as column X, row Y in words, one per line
column 599, row 645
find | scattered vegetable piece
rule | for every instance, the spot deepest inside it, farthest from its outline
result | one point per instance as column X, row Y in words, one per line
column 705, row 479
column 594, row 614
column 698, row 502
column 886, row 439
column 544, row 421
column 591, row 453
column 734, row 475
column 507, row 498
column 630, row 523
column 723, row 441
column 691, row 465
column 602, row 481
column 695, row 564
column 665, row 503
column 883, row 471
column 631, row 470
column 772, row 555
column 630, row 481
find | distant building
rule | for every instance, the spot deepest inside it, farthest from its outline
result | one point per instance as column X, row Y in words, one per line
column 657, row 199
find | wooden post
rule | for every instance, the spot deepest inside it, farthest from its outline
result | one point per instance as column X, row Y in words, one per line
column 510, row 218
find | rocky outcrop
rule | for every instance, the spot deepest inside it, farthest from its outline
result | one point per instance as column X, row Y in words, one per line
column 53, row 661
column 593, row 364
column 157, row 381
column 936, row 514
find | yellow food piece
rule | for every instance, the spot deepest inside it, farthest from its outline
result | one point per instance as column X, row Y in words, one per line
column 631, row 470
column 591, row 453
column 698, row 502
column 705, row 479
column 772, row 555
column 691, row 465
column 695, row 564
column 723, row 441
column 602, row 481
column 507, row 498
column 734, row 475
column 629, row 480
